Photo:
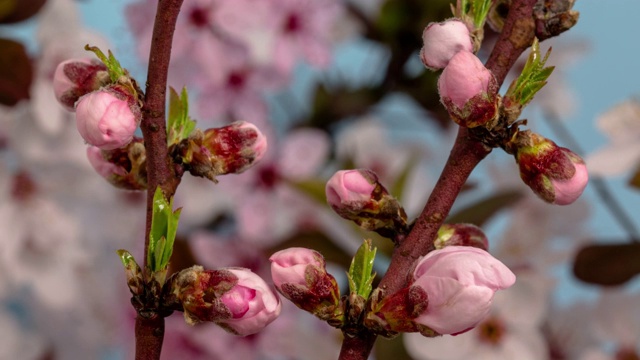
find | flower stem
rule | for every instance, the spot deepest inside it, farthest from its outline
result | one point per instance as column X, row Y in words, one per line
column 466, row 154
column 160, row 171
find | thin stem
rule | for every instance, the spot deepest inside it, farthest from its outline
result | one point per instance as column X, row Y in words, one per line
column 599, row 184
column 467, row 152
column 160, row 172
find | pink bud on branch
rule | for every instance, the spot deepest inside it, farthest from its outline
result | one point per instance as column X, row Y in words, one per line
column 555, row 174
column 236, row 299
column 460, row 282
column 230, row 149
column 461, row 235
column 108, row 118
column 124, row 168
column 76, row 77
column 357, row 195
column 469, row 91
column 300, row 275
column 442, row 41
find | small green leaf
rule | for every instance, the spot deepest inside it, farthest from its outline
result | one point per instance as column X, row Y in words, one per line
column 164, row 226
column 180, row 125
column 135, row 279
column 532, row 78
column 116, row 71
column 480, row 11
column 360, row 272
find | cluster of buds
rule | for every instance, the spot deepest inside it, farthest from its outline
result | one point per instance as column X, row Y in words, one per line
column 357, row 195
column 236, row 299
column 468, row 90
column 107, row 112
column 230, row 149
column 300, row 275
column 450, row 291
column 555, row 174
column 124, row 168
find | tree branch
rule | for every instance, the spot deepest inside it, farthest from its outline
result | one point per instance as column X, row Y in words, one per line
column 467, row 152
column 160, row 172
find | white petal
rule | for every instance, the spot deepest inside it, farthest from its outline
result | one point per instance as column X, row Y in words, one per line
column 445, row 347
column 614, row 160
column 622, row 122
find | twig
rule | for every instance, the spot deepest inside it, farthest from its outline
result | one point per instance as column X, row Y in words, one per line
column 150, row 331
column 467, row 152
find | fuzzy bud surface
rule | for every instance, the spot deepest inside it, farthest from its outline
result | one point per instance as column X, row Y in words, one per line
column 107, row 118
column 442, row 41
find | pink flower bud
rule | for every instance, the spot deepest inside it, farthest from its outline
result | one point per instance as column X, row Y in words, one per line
column 350, row 186
column 107, row 118
column 300, row 275
column 468, row 90
column 460, row 282
column 236, row 299
column 290, row 265
column 230, row 149
column 76, row 77
column 556, row 174
column 124, row 168
column 461, row 235
column 568, row 191
column 252, row 303
column 442, row 41
column 357, row 195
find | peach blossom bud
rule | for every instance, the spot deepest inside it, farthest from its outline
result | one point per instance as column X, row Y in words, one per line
column 350, row 186
column 76, row 77
column 556, row 174
column 107, row 118
column 568, row 191
column 300, row 275
column 230, row 149
column 236, row 299
column 442, row 41
column 468, row 90
column 460, row 282
column 357, row 195
column 124, row 168
column 461, row 235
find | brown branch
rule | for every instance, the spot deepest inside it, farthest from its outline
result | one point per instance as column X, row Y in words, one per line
column 467, row 152
column 160, row 172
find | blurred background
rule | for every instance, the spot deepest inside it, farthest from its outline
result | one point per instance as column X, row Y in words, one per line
column 334, row 84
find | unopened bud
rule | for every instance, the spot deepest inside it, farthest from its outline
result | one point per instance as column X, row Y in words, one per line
column 300, row 275
column 124, row 168
column 469, row 91
column 76, row 77
column 460, row 282
column 461, row 235
column 108, row 118
column 236, row 299
column 442, row 41
column 357, row 195
column 555, row 174
column 230, row 149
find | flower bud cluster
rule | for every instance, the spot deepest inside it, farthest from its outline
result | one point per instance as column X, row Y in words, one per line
column 300, row 275
column 357, row 195
column 236, row 299
column 461, row 235
column 450, row 292
column 555, row 174
column 230, row 149
column 468, row 90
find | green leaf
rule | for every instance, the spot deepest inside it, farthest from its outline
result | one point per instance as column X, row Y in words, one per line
column 532, row 78
column 135, row 279
column 480, row 11
column 164, row 226
column 180, row 125
column 116, row 71
column 360, row 272
column 484, row 209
